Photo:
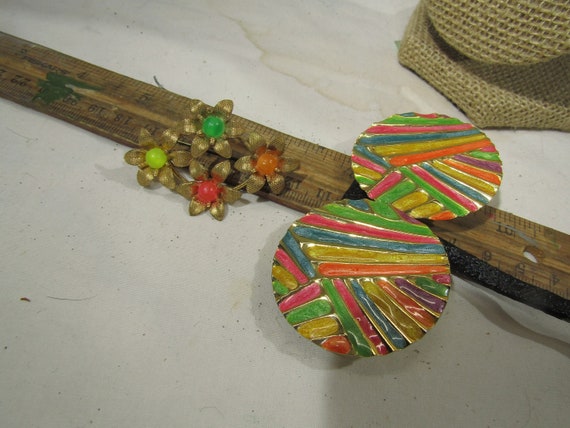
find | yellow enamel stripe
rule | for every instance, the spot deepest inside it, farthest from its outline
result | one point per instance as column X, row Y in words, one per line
column 476, row 183
column 411, row 201
column 426, row 210
column 284, row 277
column 319, row 328
column 424, row 146
column 396, row 315
column 358, row 255
column 363, row 171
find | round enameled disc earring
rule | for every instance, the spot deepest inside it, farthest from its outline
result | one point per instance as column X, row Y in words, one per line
column 364, row 277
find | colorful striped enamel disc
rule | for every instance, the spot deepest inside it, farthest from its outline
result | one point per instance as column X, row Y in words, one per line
column 360, row 278
column 430, row 166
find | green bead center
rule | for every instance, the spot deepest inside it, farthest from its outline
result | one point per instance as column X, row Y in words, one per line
column 213, row 126
column 156, row 158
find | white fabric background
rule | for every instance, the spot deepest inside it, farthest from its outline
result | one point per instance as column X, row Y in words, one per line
column 141, row 316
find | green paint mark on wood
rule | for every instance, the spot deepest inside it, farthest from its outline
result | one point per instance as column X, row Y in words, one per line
column 57, row 87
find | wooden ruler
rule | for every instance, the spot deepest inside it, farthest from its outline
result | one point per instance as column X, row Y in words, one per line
column 117, row 107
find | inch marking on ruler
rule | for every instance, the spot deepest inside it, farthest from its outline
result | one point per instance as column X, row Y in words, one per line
column 117, row 107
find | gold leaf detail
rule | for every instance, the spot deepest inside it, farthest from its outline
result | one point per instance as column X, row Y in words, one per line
column 243, row 164
column 276, row 183
column 231, row 195
column 199, row 146
column 168, row 139
column 135, row 157
column 180, row 158
column 145, row 176
column 224, row 107
column 222, row 170
column 223, row 148
column 145, row 139
column 166, row 178
column 289, row 165
column 254, row 183
column 254, row 142
column 196, row 207
column 197, row 170
column 218, row 210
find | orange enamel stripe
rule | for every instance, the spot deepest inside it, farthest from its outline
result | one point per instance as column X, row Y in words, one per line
column 351, row 269
column 490, row 177
column 435, row 154
column 413, row 308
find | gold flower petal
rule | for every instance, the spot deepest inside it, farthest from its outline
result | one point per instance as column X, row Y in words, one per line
column 232, row 131
column 197, row 170
column 145, row 139
column 223, row 148
column 185, row 189
column 277, row 145
column 254, row 183
column 231, row 195
column 276, row 183
column 196, row 207
column 222, row 170
column 200, row 146
column 180, row 158
column 145, row 176
column 196, row 107
column 244, row 164
column 168, row 139
column 254, row 142
column 135, row 157
column 188, row 126
column 166, row 177
column 224, row 109
column 218, row 210
column 289, row 164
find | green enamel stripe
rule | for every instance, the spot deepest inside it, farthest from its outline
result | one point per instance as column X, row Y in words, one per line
column 349, row 213
column 490, row 156
column 385, row 210
column 432, row 286
column 352, row 329
column 402, row 189
column 449, row 203
column 314, row 309
column 279, row 288
column 419, row 121
column 365, row 180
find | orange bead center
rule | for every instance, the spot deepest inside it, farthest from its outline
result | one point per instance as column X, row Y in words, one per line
column 267, row 163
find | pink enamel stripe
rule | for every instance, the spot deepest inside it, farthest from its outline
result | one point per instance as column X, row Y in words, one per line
column 442, row 279
column 457, row 197
column 288, row 263
column 395, row 129
column 489, row 149
column 359, row 316
column 302, row 296
column 386, row 183
column 368, row 164
column 320, row 221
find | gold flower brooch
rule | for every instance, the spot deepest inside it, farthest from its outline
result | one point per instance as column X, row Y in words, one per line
column 177, row 159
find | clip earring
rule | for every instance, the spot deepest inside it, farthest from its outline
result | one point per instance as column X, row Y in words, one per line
column 365, row 277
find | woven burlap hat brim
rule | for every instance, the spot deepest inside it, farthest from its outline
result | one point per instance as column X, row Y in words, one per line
column 513, row 32
column 533, row 97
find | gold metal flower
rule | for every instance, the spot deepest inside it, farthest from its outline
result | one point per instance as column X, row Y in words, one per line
column 208, row 191
column 211, row 127
column 155, row 159
column 265, row 164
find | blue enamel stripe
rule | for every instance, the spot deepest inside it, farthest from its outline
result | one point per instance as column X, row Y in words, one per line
column 466, row 190
column 388, row 139
column 344, row 239
column 394, row 335
column 292, row 247
column 359, row 204
column 367, row 154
